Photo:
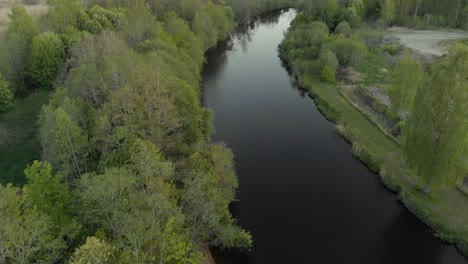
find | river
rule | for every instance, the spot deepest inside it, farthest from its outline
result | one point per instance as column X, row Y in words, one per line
column 303, row 196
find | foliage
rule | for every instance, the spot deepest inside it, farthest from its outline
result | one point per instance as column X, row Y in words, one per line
column 437, row 124
column 387, row 12
column 349, row 51
column 327, row 75
column 343, row 28
column 27, row 234
column 15, row 51
column 6, row 96
column 408, row 76
column 124, row 137
column 47, row 56
column 63, row 141
column 94, row 250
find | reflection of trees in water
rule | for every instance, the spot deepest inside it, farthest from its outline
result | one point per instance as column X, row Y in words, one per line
column 293, row 80
column 242, row 34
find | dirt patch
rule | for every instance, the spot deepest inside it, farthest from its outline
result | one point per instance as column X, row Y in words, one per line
column 428, row 42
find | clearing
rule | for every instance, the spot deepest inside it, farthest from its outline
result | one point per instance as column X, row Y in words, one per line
column 427, row 42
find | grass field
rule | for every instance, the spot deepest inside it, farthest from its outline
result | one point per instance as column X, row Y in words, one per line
column 19, row 142
column 444, row 210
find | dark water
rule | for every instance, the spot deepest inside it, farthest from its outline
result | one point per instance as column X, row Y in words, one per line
column 303, row 196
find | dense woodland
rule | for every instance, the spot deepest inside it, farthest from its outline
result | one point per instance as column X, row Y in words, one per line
column 127, row 173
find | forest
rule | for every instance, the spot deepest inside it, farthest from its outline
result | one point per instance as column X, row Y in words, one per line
column 127, row 173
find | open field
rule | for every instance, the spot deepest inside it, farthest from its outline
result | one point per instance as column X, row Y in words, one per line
column 431, row 42
column 19, row 142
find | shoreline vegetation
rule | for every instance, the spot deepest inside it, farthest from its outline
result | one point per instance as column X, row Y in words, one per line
column 125, row 149
column 339, row 86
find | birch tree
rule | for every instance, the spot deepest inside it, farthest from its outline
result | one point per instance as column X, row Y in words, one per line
column 437, row 126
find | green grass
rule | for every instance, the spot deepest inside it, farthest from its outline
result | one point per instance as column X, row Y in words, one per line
column 19, row 142
column 372, row 66
column 445, row 210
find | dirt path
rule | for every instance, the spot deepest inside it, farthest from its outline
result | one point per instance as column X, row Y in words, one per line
column 429, row 42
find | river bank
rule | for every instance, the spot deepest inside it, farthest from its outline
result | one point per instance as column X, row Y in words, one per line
column 296, row 175
column 445, row 211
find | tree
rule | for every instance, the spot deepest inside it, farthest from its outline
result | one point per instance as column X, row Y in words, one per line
column 6, row 96
column 146, row 107
column 437, row 125
column 47, row 57
column 343, row 28
column 407, row 79
column 140, row 24
column 327, row 75
column 387, row 11
column 15, row 52
column 63, row 141
column 47, row 193
column 206, row 207
column 26, row 235
column 94, row 250
column 66, row 16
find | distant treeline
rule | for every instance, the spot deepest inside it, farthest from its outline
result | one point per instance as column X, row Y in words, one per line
column 421, row 14
column 244, row 9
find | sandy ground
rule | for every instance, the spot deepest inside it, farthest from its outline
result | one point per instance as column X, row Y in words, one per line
column 33, row 10
column 430, row 42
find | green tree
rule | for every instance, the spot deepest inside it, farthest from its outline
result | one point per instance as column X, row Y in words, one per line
column 140, row 24
column 26, row 235
column 327, row 75
column 6, row 96
column 437, row 125
column 66, row 16
column 47, row 193
column 387, row 11
column 343, row 28
column 206, row 208
column 408, row 77
column 63, row 142
column 16, row 49
column 47, row 57
column 94, row 250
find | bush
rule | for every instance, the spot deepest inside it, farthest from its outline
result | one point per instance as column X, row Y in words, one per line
column 6, row 96
column 349, row 51
column 328, row 58
column 47, row 56
column 327, row 75
column 343, row 28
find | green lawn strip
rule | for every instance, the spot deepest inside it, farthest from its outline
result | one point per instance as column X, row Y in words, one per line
column 445, row 210
column 19, row 142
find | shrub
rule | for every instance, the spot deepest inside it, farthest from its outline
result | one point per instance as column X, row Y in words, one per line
column 6, row 96
column 343, row 28
column 327, row 75
column 47, row 56
column 328, row 58
column 349, row 51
